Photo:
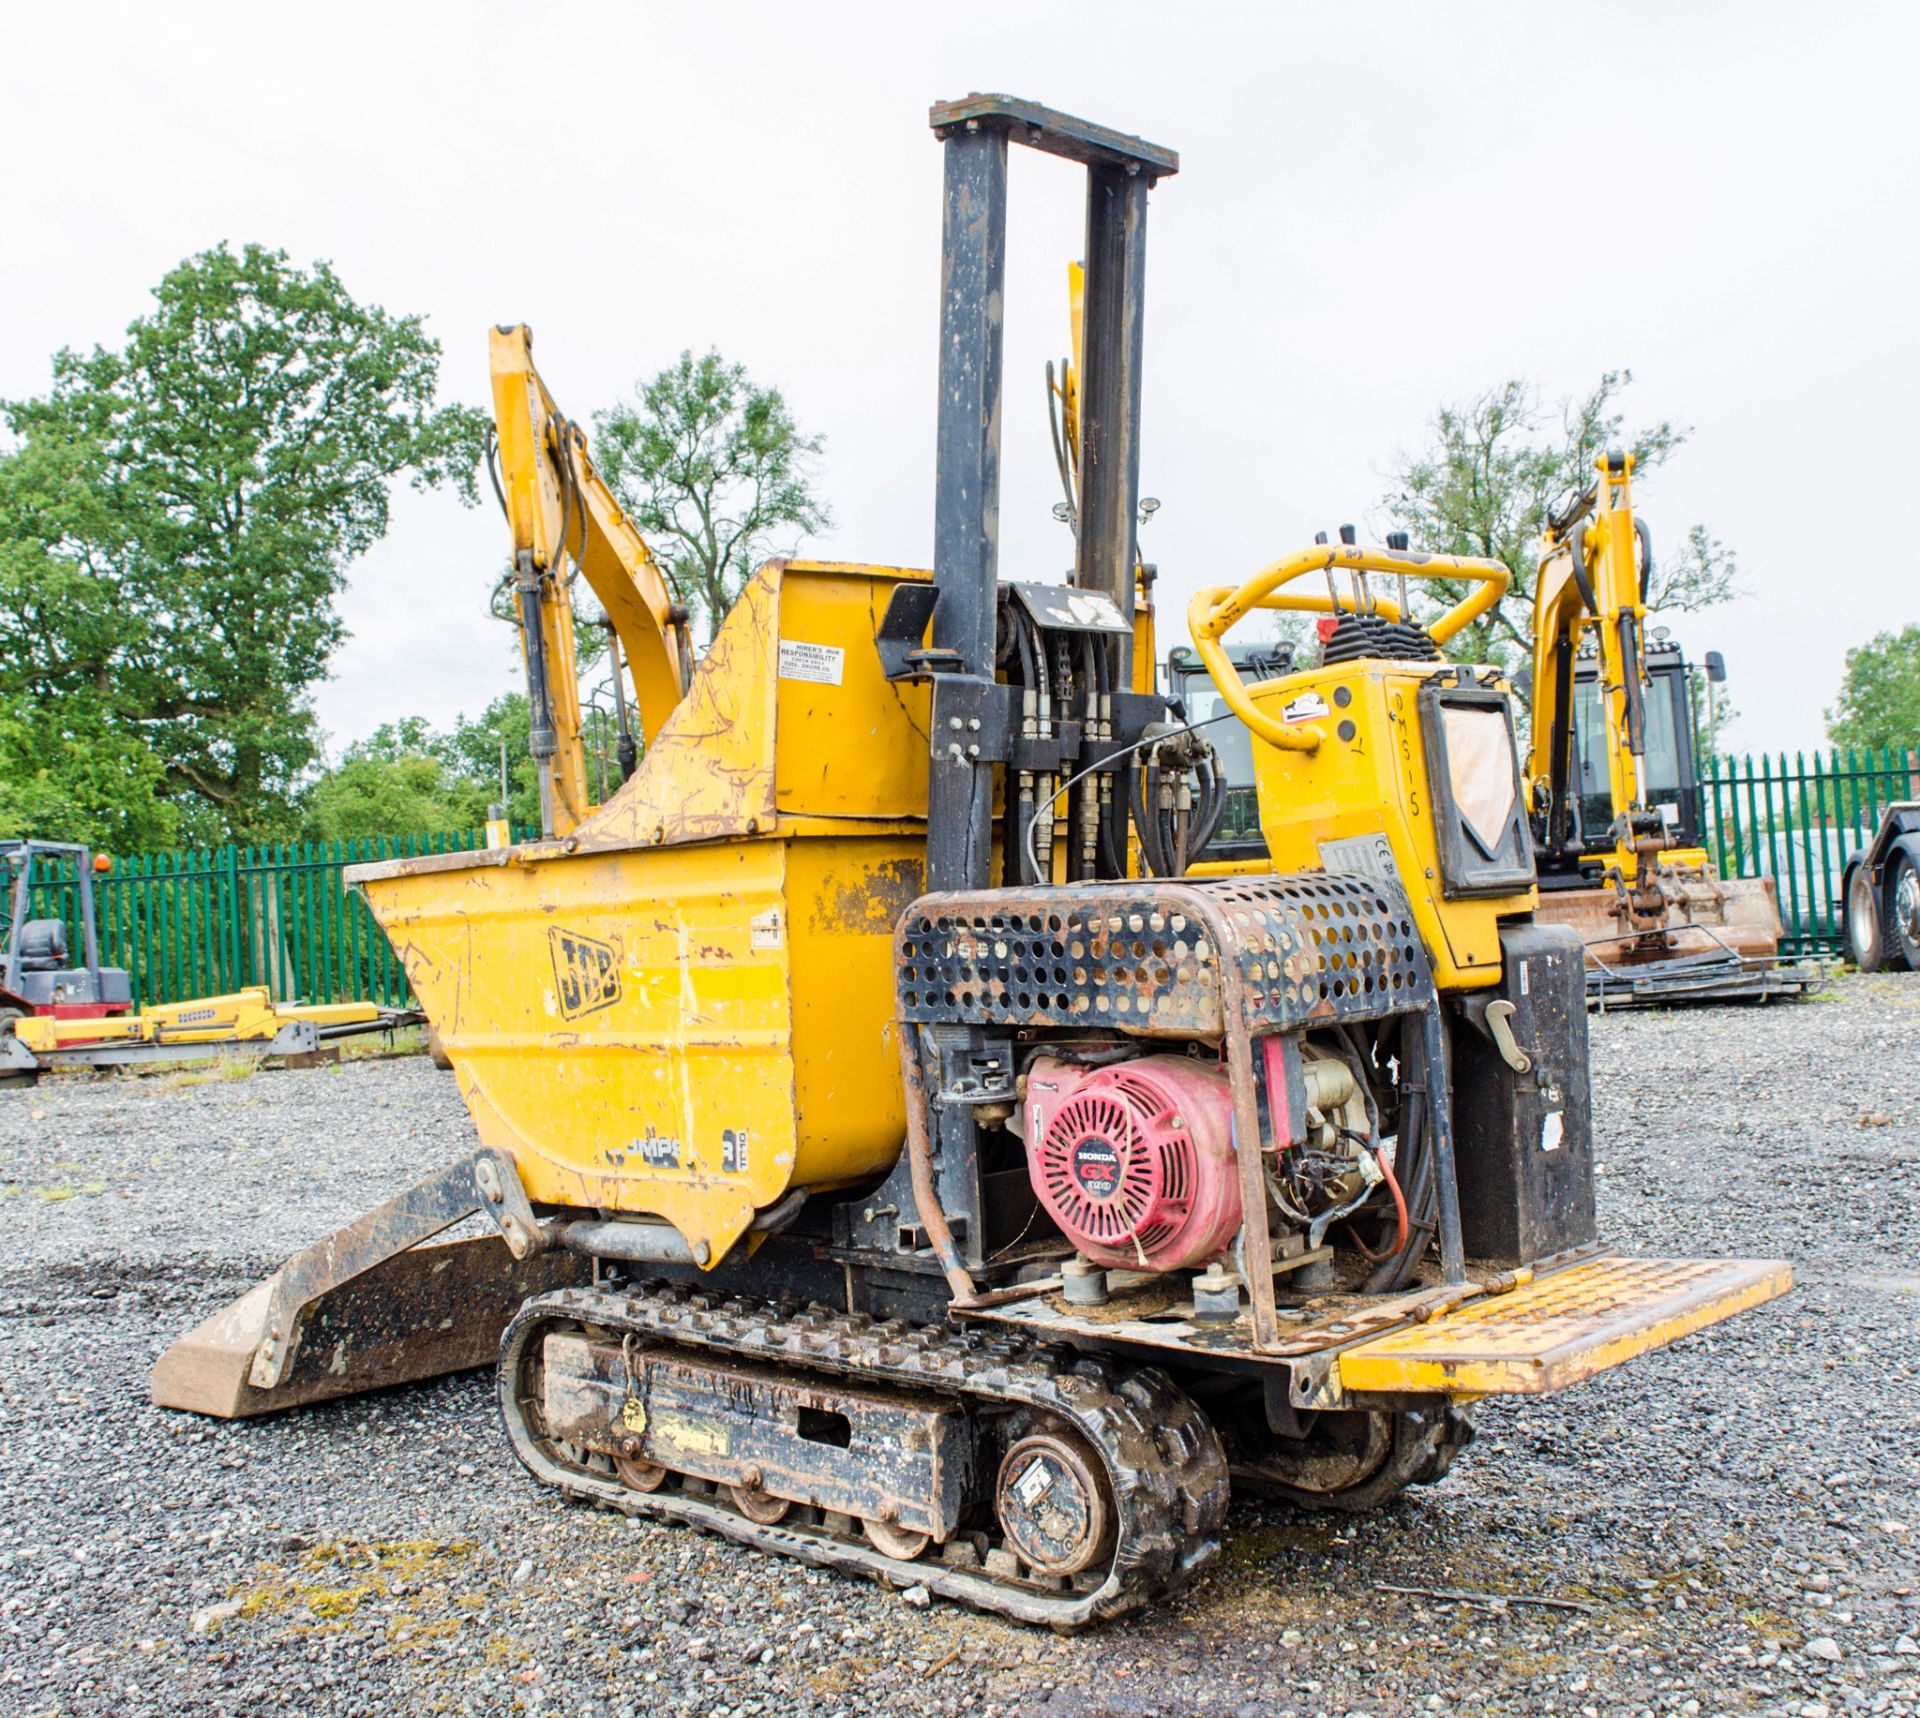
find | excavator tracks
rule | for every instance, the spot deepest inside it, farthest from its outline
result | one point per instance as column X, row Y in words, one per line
column 1150, row 1453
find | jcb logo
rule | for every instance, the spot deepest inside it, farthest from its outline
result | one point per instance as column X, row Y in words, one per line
column 586, row 972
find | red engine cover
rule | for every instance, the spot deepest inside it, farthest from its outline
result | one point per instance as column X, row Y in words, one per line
column 1134, row 1161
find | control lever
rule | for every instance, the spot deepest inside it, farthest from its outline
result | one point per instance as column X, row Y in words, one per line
column 1500, row 1024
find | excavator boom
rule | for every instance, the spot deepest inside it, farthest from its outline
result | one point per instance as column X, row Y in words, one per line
column 565, row 519
column 1593, row 575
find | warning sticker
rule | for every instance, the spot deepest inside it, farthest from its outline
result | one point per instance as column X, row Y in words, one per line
column 1552, row 1131
column 1360, row 856
column 1304, row 708
column 765, row 928
column 823, row 664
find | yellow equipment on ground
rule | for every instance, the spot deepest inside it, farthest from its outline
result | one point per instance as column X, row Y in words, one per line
column 62, row 1008
column 1658, row 925
column 883, row 1170
column 247, row 1022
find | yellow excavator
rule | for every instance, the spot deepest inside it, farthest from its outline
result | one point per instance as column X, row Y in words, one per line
column 890, row 1158
column 1613, row 783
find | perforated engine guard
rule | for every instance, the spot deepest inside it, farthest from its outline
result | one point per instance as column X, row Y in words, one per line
column 1231, row 959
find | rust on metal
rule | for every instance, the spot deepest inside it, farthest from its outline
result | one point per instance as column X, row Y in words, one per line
column 420, row 1314
column 1670, row 911
column 1563, row 1327
column 926, row 1196
column 1226, row 959
column 773, row 1437
column 371, row 1304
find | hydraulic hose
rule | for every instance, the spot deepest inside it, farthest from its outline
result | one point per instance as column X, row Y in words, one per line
column 926, row 1196
column 1140, row 782
column 1215, row 802
column 1399, row 1203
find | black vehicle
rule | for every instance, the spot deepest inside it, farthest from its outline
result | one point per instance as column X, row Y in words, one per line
column 1880, row 894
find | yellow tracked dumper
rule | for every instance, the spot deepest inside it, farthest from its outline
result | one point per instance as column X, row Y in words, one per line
column 890, row 1159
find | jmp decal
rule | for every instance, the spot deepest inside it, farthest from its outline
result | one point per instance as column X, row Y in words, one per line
column 659, row 1150
column 733, row 1151
column 586, row 972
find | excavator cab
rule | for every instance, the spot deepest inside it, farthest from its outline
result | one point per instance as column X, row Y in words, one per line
column 1237, row 840
column 1670, row 760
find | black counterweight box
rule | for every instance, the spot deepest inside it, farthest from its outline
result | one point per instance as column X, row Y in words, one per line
column 1525, row 1139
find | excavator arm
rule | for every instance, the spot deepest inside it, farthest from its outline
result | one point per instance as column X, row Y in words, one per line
column 564, row 519
column 1597, row 552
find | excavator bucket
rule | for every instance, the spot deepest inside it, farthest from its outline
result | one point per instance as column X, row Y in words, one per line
column 1720, row 943
column 375, row 1304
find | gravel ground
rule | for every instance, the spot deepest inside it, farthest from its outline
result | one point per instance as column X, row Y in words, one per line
column 1742, row 1511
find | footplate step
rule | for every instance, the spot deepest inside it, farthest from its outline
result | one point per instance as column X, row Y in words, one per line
column 1563, row 1327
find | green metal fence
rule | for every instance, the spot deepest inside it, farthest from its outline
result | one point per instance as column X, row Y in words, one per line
column 1796, row 820
column 208, row 921
column 205, row 922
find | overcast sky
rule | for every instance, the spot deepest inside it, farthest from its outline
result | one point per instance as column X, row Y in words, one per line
column 1379, row 208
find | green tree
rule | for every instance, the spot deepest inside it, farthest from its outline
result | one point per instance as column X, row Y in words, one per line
column 407, row 779
column 712, row 468
column 1879, row 702
column 411, row 794
column 176, row 522
column 1492, row 471
column 474, row 749
column 69, row 777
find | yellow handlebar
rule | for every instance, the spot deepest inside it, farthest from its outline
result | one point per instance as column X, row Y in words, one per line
column 1214, row 610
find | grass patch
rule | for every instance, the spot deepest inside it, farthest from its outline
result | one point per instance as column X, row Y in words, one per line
column 1771, row 1625
column 222, row 1070
column 407, row 1041
column 323, row 1591
column 61, row 1190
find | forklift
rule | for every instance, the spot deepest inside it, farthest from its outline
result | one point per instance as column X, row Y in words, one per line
column 37, row 977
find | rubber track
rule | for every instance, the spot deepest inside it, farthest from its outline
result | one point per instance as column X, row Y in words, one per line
column 1162, row 1455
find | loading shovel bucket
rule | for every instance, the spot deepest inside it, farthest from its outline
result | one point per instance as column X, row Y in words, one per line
column 1737, row 916
column 377, row 1303
column 1721, row 945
